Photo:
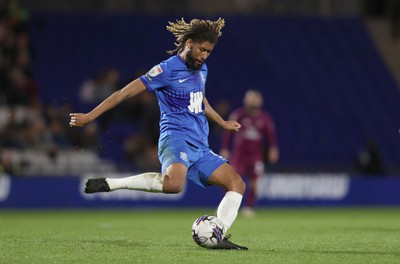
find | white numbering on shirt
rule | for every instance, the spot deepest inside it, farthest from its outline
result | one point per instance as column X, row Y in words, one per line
column 196, row 100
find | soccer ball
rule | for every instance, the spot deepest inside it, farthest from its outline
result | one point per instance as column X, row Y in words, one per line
column 208, row 231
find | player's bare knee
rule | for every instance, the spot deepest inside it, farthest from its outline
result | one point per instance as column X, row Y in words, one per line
column 240, row 185
column 173, row 185
column 236, row 184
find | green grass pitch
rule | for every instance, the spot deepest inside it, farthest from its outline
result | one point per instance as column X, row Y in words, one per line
column 280, row 235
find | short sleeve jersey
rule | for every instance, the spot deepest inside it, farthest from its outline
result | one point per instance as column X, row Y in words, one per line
column 180, row 91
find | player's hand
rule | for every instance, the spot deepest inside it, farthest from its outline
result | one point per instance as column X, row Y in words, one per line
column 232, row 125
column 273, row 155
column 78, row 119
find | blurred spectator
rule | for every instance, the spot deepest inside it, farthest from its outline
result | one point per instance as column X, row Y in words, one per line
column 133, row 147
column 16, row 80
column 37, row 136
column 131, row 109
column 95, row 90
column 11, row 133
column 17, row 88
column 140, row 154
column 90, row 137
column 58, row 134
column 369, row 160
column 150, row 161
column 27, row 126
column 140, row 148
column 149, row 118
column 6, row 164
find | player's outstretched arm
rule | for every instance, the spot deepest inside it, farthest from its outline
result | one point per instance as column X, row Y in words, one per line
column 231, row 125
column 133, row 88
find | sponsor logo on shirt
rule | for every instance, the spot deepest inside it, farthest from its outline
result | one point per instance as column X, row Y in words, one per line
column 183, row 80
column 156, row 70
column 196, row 100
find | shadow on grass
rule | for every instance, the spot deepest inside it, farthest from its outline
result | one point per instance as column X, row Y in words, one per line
column 117, row 242
column 129, row 243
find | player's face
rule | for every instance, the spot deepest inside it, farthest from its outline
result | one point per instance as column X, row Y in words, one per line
column 198, row 53
column 253, row 100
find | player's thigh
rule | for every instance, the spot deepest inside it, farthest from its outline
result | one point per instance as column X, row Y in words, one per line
column 227, row 178
column 173, row 155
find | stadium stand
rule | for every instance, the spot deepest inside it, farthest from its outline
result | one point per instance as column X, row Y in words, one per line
column 322, row 78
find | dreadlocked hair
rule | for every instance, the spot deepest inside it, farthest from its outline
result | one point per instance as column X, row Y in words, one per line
column 198, row 30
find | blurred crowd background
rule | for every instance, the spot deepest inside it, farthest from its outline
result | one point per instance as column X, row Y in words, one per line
column 329, row 71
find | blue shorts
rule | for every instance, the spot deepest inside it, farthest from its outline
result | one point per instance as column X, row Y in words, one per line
column 201, row 162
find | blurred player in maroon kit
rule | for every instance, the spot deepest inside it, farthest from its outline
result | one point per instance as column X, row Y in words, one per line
column 245, row 149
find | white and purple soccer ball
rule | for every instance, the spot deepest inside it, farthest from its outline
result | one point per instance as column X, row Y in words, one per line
column 208, row 231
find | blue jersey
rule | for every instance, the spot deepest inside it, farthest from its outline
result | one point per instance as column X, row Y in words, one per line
column 180, row 91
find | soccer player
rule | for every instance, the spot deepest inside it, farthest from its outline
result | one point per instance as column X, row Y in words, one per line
column 179, row 84
column 247, row 146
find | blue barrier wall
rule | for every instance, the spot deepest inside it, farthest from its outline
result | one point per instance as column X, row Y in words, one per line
column 274, row 190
